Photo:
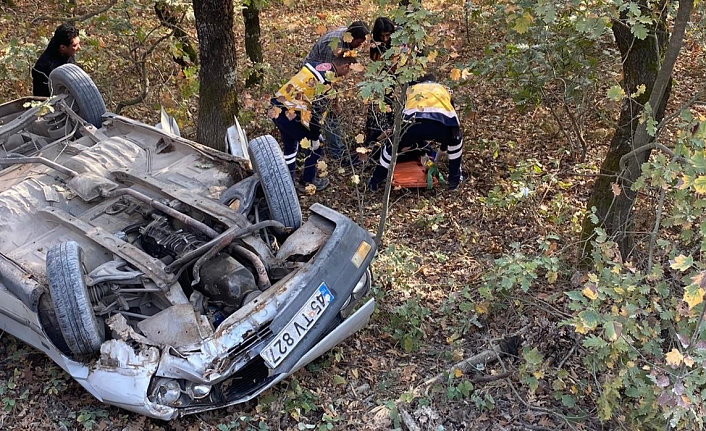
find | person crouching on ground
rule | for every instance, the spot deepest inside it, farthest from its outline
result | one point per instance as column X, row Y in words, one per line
column 302, row 104
column 61, row 50
column 433, row 118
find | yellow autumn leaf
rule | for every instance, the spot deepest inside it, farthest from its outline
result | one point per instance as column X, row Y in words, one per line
column 580, row 328
column 674, row 358
column 466, row 73
column 700, row 184
column 290, row 114
column 305, row 116
column 321, row 29
column 481, row 308
column 359, row 138
column 590, row 292
column 455, row 74
column 522, row 23
column 685, row 182
column 458, row 373
column 321, row 166
column 355, row 179
column 347, row 37
column 693, row 297
column 453, row 337
column 305, row 143
column 402, row 60
column 361, row 150
column 552, row 276
column 341, row 170
column 689, row 361
column 432, row 56
column 681, row 262
column 310, row 189
column 274, row 112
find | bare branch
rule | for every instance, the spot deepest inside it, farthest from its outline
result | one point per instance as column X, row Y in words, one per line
column 81, row 18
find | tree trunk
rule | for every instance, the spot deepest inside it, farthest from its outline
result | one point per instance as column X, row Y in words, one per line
column 642, row 64
column 218, row 101
column 253, row 47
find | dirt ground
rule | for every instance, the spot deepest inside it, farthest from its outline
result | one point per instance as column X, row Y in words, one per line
column 435, row 249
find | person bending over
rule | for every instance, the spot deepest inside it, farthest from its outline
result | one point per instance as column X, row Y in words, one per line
column 432, row 118
column 302, row 103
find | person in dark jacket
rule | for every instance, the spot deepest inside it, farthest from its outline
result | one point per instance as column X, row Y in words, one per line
column 331, row 44
column 379, row 122
column 61, row 50
column 298, row 110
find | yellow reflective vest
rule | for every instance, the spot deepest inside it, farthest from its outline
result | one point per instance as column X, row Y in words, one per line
column 305, row 93
column 430, row 101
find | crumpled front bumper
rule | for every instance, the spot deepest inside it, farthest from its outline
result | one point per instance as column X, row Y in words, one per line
column 228, row 362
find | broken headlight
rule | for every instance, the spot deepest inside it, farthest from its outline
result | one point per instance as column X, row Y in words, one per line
column 360, row 290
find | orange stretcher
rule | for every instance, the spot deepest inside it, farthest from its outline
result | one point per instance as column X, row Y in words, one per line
column 411, row 175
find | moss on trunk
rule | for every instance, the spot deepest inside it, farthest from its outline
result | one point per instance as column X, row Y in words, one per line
column 218, row 93
column 641, row 60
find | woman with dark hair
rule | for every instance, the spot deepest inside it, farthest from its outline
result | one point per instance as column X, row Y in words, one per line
column 382, row 37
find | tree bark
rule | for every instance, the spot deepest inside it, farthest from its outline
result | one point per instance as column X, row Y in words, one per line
column 218, row 101
column 642, row 64
column 253, row 47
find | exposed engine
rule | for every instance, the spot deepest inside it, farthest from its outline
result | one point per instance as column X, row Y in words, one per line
column 223, row 280
column 159, row 239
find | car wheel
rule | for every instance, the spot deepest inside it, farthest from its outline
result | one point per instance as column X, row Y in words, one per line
column 281, row 196
column 84, row 97
column 69, row 296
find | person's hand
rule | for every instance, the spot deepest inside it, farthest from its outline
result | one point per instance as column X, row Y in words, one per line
column 384, row 135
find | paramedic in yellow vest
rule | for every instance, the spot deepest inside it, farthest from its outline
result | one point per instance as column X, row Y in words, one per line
column 303, row 101
column 433, row 118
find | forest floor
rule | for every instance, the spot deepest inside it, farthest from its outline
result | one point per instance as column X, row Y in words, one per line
column 436, row 247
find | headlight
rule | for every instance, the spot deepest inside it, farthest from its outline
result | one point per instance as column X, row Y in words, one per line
column 197, row 391
column 359, row 290
column 167, row 392
column 363, row 285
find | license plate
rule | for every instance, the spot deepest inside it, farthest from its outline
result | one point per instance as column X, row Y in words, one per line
column 288, row 338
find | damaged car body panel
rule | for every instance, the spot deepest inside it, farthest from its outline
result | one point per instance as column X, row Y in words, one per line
column 166, row 277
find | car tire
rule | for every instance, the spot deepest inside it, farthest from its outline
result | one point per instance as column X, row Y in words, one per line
column 84, row 97
column 69, row 296
column 276, row 182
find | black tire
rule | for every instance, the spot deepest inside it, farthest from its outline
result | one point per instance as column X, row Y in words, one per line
column 84, row 97
column 277, row 185
column 69, row 296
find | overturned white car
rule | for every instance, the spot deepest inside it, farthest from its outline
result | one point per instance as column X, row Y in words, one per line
column 166, row 277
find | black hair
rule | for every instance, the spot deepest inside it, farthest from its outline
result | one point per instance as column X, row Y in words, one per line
column 358, row 29
column 342, row 58
column 65, row 34
column 382, row 25
column 429, row 77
